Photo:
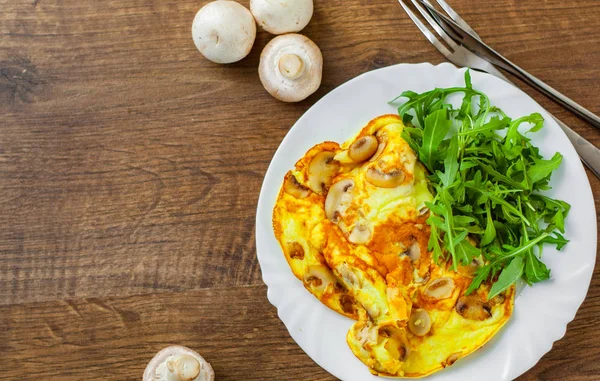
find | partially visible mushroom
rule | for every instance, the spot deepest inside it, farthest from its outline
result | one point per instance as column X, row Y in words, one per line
column 349, row 277
column 293, row 187
column 224, row 31
column 360, row 234
column 452, row 359
column 472, row 308
column 414, row 252
column 440, row 288
column 498, row 299
column 291, row 67
column 318, row 277
column 363, row 148
column 382, row 138
column 295, row 250
column 384, row 180
column 397, row 347
column 178, row 363
column 321, row 171
column 470, row 269
column 338, row 194
column 282, row 16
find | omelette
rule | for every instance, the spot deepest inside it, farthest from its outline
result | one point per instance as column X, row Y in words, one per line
column 351, row 222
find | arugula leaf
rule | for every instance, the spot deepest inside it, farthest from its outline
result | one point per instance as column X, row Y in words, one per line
column 437, row 126
column 490, row 230
column 481, row 274
column 434, row 243
column 465, row 252
column 557, row 240
column 535, row 270
column 508, row 276
column 543, row 168
column 450, row 163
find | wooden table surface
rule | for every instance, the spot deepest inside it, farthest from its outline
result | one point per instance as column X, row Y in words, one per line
column 130, row 169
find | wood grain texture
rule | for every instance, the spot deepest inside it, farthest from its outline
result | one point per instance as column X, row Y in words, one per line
column 130, row 169
column 235, row 329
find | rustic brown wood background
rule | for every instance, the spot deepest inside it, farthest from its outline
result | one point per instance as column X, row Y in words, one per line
column 130, row 169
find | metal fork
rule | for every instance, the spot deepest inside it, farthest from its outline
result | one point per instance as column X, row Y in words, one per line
column 458, row 55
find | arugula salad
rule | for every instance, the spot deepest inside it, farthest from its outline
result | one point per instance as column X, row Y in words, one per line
column 488, row 181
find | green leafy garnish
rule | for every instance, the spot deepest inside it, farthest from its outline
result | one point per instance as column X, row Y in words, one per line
column 487, row 179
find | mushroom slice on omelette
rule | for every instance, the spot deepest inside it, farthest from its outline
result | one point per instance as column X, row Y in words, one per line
column 351, row 222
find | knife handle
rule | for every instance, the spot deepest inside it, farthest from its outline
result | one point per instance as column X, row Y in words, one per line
column 550, row 92
column 589, row 154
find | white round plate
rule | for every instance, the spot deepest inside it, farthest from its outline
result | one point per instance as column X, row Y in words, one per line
column 541, row 312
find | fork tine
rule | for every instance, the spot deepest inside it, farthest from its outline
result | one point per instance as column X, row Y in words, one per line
column 435, row 25
column 459, row 20
column 430, row 36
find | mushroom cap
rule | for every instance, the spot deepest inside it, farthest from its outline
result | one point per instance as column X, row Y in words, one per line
column 282, row 16
column 287, row 87
column 172, row 353
column 224, row 31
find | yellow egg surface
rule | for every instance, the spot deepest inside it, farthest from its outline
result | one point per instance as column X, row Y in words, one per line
column 350, row 220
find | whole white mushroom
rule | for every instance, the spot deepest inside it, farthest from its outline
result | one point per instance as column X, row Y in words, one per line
column 290, row 68
column 282, row 16
column 224, row 31
column 178, row 363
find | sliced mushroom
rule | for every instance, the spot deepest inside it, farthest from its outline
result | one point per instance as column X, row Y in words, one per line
column 363, row 148
column 317, row 277
column 321, row 171
column 178, row 363
column 414, row 252
column 418, row 278
column 498, row 299
column 361, row 234
column 380, row 149
column 382, row 138
column 440, row 288
column 419, row 322
column 472, row 308
column 469, row 270
column 293, row 187
column 348, row 276
column 397, row 349
column 347, row 303
column 295, row 250
column 384, row 179
column 452, row 358
column 373, row 310
column 336, row 196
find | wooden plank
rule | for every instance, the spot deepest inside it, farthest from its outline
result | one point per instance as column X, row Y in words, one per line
column 235, row 329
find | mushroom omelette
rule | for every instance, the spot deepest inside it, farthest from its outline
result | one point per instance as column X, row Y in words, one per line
column 350, row 220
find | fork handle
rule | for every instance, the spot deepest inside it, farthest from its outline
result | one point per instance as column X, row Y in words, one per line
column 552, row 93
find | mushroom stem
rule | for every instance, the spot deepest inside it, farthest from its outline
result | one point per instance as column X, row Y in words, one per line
column 187, row 368
column 178, row 363
column 291, row 66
